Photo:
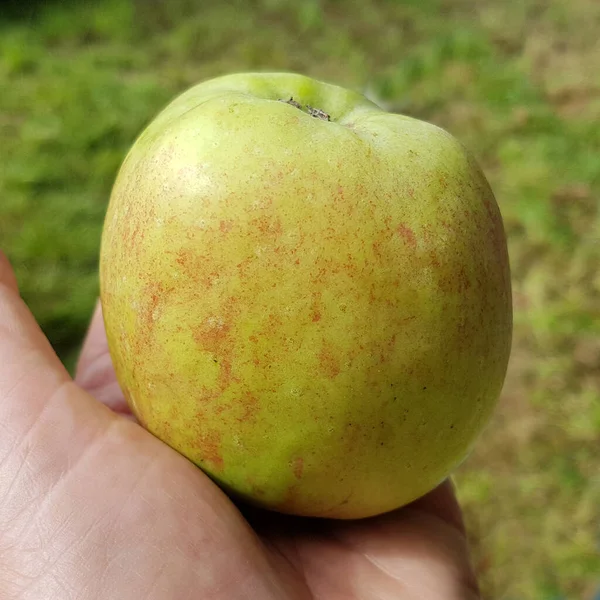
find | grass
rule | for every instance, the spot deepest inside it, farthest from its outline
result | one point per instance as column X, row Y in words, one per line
column 516, row 81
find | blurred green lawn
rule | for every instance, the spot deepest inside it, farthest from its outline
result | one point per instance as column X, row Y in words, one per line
column 518, row 81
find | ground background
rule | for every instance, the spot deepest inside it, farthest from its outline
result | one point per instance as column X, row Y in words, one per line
column 518, row 81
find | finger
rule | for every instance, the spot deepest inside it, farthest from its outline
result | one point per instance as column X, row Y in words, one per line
column 421, row 547
column 23, row 347
column 95, row 343
column 44, row 418
column 33, row 381
column 416, row 551
column 7, row 275
column 442, row 504
column 95, row 372
column 439, row 516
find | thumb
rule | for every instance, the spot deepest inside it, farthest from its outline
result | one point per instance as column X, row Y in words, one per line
column 38, row 400
column 26, row 357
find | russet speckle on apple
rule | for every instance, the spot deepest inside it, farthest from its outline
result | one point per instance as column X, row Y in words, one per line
column 305, row 295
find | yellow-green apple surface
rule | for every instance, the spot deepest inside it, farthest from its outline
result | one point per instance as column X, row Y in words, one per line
column 305, row 295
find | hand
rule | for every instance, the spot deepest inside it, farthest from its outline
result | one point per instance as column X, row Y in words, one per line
column 92, row 506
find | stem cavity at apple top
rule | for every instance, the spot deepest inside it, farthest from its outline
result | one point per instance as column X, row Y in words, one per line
column 317, row 113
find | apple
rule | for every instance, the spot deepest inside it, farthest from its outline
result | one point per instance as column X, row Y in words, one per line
column 306, row 296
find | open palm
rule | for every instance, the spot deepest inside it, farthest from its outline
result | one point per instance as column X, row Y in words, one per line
column 94, row 507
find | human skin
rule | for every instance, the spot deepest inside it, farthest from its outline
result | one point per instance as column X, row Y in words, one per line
column 317, row 313
column 92, row 506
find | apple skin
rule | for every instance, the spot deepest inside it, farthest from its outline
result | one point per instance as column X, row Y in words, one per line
column 317, row 313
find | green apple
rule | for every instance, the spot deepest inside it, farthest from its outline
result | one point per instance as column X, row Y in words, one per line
column 305, row 295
